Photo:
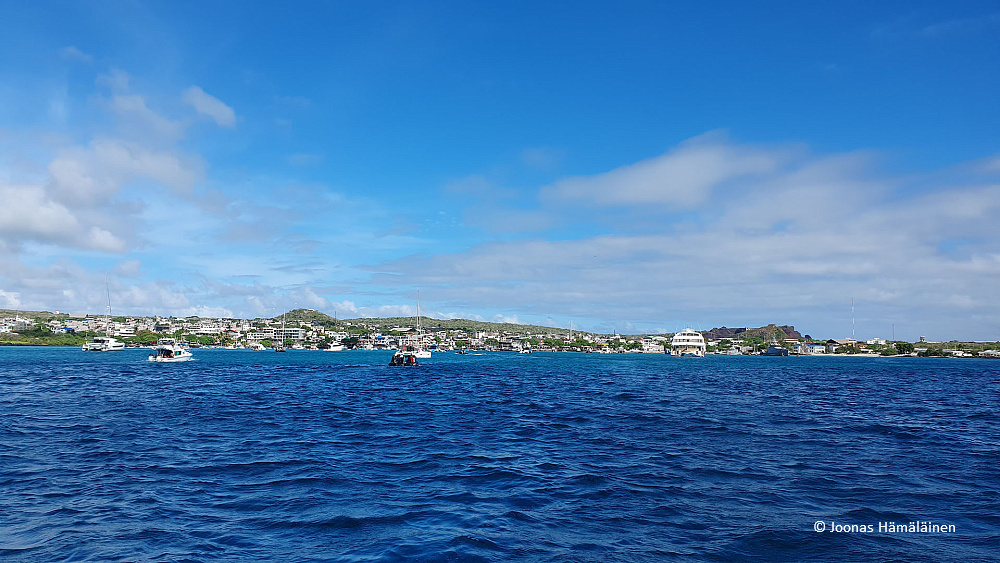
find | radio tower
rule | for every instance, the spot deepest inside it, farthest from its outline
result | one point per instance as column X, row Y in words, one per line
column 852, row 319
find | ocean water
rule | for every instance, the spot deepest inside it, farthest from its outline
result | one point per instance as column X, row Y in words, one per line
column 334, row 456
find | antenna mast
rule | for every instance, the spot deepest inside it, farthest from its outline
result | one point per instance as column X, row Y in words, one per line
column 852, row 319
column 107, row 323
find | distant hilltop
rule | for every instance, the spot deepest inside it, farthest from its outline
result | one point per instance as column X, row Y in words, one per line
column 430, row 323
column 783, row 332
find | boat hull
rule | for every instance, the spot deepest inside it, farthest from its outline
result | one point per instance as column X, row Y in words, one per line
column 162, row 360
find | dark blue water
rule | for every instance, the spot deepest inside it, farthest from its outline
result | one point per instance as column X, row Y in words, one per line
column 324, row 456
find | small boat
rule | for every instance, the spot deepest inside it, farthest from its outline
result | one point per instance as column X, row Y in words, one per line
column 404, row 358
column 167, row 350
column 103, row 344
column 525, row 351
column 335, row 348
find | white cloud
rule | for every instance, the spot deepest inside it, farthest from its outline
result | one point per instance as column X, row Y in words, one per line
column 963, row 26
column 680, row 178
column 115, row 80
column 209, row 105
column 307, row 297
column 71, row 53
column 143, row 120
column 128, row 268
column 393, row 311
column 207, row 312
column 11, row 300
column 345, row 306
column 29, row 214
column 97, row 172
column 546, row 159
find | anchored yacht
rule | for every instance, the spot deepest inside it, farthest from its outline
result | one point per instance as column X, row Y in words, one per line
column 103, row 344
column 688, row 343
column 167, row 350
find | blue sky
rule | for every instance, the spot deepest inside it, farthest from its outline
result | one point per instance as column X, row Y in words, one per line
column 637, row 167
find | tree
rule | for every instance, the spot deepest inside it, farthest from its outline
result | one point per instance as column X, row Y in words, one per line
column 754, row 342
column 266, row 343
column 903, row 347
column 145, row 338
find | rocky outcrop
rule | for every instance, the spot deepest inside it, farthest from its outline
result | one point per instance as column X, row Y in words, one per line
column 766, row 332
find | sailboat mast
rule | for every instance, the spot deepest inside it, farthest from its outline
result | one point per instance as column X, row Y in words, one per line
column 107, row 320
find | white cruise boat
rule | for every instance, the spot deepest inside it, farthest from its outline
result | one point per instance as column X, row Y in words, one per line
column 688, row 343
column 103, row 344
column 167, row 350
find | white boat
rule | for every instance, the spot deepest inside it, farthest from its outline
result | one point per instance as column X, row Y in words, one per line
column 256, row 347
column 688, row 343
column 406, row 357
column 335, row 348
column 418, row 350
column 103, row 344
column 167, row 350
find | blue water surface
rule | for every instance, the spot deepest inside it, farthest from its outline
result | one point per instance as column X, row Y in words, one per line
column 334, row 456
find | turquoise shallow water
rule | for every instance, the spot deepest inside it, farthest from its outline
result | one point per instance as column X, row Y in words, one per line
column 334, row 456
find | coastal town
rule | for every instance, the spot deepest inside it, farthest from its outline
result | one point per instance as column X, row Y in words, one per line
column 306, row 329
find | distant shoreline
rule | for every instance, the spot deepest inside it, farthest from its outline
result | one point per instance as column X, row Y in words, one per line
column 20, row 345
